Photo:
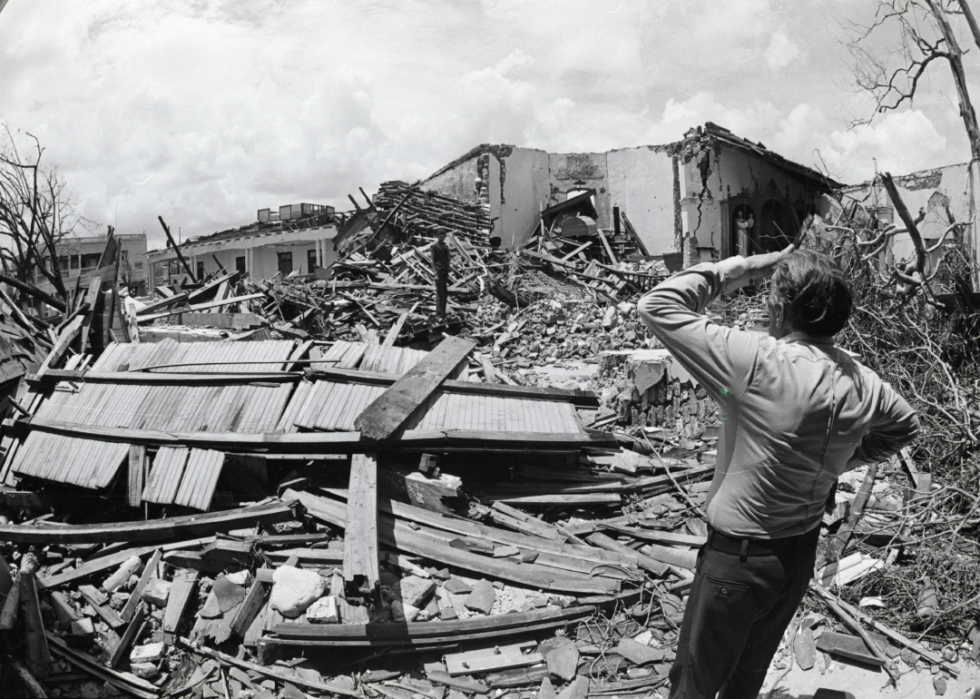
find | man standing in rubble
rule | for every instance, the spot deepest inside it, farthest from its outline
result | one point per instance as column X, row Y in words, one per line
column 795, row 413
column 440, row 267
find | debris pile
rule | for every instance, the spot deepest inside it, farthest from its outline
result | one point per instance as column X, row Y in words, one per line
column 345, row 496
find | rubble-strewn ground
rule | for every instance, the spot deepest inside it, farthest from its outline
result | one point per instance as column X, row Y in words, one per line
column 557, row 567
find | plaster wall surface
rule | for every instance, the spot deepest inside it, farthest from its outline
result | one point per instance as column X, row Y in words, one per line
column 526, row 189
column 577, row 171
column 458, row 181
column 641, row 182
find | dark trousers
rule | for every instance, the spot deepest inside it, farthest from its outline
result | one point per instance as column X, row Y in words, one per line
column 742, row 599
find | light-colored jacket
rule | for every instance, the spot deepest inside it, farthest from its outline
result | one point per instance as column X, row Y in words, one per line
column 794, row 413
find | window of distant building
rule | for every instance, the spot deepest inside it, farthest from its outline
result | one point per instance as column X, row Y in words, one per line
column 240, row 264
column 311, row 259
column 200, row 270
column 75, row 261
column 91, row 261
column 285, row 263
column 138, row 265
column 63, row 262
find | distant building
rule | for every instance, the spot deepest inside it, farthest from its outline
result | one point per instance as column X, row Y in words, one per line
column 679, row 197
column 297, row 237
column 79, row 255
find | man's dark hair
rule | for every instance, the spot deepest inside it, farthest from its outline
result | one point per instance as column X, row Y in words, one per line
column 814, row 293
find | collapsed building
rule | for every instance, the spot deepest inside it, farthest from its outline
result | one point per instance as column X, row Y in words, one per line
column 287, row 475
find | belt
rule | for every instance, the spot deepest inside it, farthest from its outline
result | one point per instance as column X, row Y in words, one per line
column 743, row 547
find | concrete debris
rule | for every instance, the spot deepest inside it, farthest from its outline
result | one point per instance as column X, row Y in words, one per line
column 536, row 506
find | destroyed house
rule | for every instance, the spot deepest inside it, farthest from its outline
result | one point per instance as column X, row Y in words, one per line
column 684, row 197
column 168, row 422
column 296, row 238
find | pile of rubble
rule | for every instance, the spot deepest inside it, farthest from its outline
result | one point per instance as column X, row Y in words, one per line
column 344, row 494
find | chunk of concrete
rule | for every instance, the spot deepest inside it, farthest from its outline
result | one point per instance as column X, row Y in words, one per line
column 146, row 671
column 147, row 653
column 563, row 661
column 457, row 586
column 157, row 592
column 323, row 611
column 482, row 597
column 638, row 653
column 403, row 612
column 414, row 590
column 294, row 590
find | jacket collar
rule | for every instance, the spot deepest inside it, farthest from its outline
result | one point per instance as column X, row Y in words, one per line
column 804, row 339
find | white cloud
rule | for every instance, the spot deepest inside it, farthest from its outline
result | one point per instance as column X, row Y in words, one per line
column 206, row 111
column 781, row 51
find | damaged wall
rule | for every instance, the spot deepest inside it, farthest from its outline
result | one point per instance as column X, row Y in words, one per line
column 716, row 178
column 513, row 181
column 939, row 197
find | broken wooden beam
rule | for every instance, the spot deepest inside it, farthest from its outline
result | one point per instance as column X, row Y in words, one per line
column 389, row 411
column 153, row 530
column 580, row 397
column 361, row 567
column 325, row 442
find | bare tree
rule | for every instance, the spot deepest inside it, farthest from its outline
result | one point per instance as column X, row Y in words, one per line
column 925, row 37
column 35, row 213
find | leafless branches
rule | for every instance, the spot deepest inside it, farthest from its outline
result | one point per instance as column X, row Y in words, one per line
column 924, row 35
column 35, row 213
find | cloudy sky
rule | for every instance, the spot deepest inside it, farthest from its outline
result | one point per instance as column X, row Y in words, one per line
column 204, row 111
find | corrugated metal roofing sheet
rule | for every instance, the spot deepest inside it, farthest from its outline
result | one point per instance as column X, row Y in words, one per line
column 84, row 462
column 230, row 408
column 213, row 357
column 200, row 478
column 333, row 407
column 165, row 475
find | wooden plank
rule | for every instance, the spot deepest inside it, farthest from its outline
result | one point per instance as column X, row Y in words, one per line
column 149, row 571
column 146, row 318
column 181, row 591
column 165, row 377
column 490, row 659
column 361, row 567
column 168, row 528
column 121, row 649
column 604, row 542
column 249, row 609
column 37, row 654
column 325, row 442
column 388, row 412
column 126, row 682
column 848, row 646
column 398, row 634
column 137, row 475
column 65, row 338
column 97, row 601
column 404, row 538
column 583, row 398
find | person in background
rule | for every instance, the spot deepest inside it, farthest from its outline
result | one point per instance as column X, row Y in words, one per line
column 795, row 412
column 440, row 267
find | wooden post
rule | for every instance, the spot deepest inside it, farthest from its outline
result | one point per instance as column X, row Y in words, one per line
column 361, row 569
column 176, row 247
